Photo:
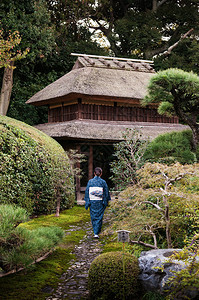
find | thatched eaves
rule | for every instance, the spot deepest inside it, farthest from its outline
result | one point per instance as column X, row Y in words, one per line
column 98, row 77
column 102, row 131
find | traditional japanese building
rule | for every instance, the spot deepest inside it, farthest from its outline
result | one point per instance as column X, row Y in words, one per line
column 90, row 107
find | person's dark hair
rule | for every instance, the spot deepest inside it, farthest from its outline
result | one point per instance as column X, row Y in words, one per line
column 98, row 171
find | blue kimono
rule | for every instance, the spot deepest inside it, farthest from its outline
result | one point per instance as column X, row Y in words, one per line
column 96, row 197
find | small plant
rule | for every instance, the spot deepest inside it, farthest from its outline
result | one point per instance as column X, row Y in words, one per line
column 129, row 158
column 108, row 280
column 184, row 284
column 19, row 246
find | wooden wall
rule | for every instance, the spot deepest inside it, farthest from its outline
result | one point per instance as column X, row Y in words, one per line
column 105, row 112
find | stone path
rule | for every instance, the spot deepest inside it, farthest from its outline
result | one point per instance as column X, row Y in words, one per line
column 73, row 283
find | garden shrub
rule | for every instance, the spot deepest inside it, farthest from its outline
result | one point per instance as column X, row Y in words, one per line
column 142, row 208
column 107, row 280
column 19, row 246
column 172, row 147
column 33, row 168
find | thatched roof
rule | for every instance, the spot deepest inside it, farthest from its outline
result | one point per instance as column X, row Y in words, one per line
column 104, row 130
column 99, row 76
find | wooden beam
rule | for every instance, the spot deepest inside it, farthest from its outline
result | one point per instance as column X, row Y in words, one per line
column 77, row 179
column 90, row 162
column 113, row 58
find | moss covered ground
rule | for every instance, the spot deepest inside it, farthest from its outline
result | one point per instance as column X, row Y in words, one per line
column 29, row 284
column 39, row 279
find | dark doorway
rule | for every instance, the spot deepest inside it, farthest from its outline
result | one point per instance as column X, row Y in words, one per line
column 102, row 157
column 96, row 156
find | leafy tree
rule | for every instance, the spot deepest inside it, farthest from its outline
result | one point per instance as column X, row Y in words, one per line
column 176, row 92
column 8, row 55
column 144, row 28
column 162, row 209
column 129, row 158
column 31, row 20
column 51, row 40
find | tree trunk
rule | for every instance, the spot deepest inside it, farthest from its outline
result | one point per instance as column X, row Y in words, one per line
column 167, row 219
column 195, row 131
column 6, row 89
column 58, row 205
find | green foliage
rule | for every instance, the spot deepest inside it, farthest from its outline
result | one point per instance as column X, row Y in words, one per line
column 142, row 208
column 176, row 91
column 153, row 296
column 129, row 158
column 184, row 284
column 167, row 85
column 32, row 167
column 18, row 246
column 31, row 282
column 143, row 29
column 107, row 279
column 171, row 147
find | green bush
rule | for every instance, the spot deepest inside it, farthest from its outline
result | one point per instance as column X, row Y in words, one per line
column 172, row 147
column 19, row 246
column 163, row 192
column 107, row 279
column 33, row 168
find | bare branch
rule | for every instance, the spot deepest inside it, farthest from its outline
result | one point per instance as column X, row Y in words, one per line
column 144, row 244
column 168, row 51
column 153, row 204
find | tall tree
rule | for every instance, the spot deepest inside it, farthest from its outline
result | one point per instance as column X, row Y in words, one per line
column 51, row 40
column 141, row 28
column 8, row 55
column 177, row 92
column 31, row 19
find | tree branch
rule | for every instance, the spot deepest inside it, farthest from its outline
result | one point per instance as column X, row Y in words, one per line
column 168, row 51
column 153, row 204
column 144, row 244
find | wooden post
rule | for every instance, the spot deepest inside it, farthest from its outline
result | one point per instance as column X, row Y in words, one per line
column 79, row 109
column 77, row 179
column 62, row 112
column 90, row 162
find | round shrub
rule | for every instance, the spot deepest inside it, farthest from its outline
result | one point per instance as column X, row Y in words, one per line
column 172, row 147
column 107, row 279
column 34, row 169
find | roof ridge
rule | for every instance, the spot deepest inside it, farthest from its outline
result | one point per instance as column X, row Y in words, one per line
column 112, row 58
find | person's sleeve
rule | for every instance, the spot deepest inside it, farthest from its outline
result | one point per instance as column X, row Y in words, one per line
column 86, row 198
column 106, row 197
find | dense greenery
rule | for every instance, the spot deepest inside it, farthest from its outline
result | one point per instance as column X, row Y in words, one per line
column 128, row 158
column 29, row 284
column 176, row 92
column 49, row 46
column 137, row 28
column 165, row 203
column 185, row 282
column 113, row 275
column 52, row 30
column 172, row 147
column 19, row 247
column 34, row 168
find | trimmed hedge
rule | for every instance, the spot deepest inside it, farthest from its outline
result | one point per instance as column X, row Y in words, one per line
column 33, row 168
column 107, row 279
column 172, row 147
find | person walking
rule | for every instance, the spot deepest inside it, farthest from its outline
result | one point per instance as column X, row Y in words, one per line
column 96, row 198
